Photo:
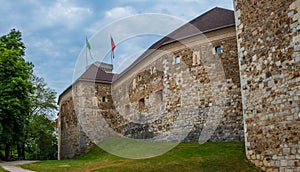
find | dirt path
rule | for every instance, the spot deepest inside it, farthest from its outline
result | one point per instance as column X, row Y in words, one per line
column 11, row 166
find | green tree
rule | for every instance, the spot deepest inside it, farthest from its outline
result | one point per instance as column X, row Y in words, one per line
column 41, row 140
column 15, row 90
column 43, row 98
column 40, row 136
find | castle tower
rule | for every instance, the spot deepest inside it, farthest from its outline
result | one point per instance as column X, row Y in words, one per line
column 269, row 60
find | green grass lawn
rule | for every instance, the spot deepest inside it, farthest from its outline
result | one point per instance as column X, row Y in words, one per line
column 2, row 170
column 184, row 157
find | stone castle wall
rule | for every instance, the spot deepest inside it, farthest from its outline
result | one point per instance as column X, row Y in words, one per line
column 269, row 56
column 160, row 98
column 73, row 140
column 166, row 96
column 266, row 72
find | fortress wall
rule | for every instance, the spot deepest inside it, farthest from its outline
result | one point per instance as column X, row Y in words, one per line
column 159, row 97
column 169, row 96
column 269, row 59
column 73, row 140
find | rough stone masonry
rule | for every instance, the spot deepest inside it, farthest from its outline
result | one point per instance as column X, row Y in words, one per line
column 262, row 86
column 180, row 89
column 269, row 58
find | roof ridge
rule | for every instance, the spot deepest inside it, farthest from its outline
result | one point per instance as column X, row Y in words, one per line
column 179, row 33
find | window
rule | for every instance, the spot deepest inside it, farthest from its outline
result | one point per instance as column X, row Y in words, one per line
column 104, row 99
column 139, row 78
column 141, row 103
column 152, row 70
column 127, row 109
column 218, row 49
column 177, row 59
column 158, row 96
column 196, row 57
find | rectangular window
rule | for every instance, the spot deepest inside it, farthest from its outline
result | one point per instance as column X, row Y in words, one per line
column 104, row 99
column 127, row 109
column 218, row 49
column 177, row 59
column 152, row 69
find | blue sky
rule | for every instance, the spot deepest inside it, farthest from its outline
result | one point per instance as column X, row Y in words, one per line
column 54, row 31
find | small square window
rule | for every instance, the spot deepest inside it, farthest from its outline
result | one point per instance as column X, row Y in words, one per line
column 104, row 99
column 177, row 59
column 218, row 49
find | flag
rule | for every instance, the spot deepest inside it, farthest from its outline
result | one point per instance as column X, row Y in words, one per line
column 88, row 45
column 113, row 46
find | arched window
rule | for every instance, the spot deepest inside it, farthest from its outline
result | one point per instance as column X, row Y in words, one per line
column 158, row 97
column 141, row 104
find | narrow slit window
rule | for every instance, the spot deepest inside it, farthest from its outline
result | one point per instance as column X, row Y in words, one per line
column 104, row 99
column 127, row 109
column 152, row 70
column 141, row 103
column 158, row 96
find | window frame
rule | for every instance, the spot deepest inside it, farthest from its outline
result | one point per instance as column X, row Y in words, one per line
column 218, row 49
column 177, row 60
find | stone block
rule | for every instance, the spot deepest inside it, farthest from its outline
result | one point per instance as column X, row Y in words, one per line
column 297, row 47
column 297, row 59
column 283, row 163
column 291, row 14
column 286, row 151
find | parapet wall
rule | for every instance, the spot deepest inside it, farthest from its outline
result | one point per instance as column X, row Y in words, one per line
column 269, row 59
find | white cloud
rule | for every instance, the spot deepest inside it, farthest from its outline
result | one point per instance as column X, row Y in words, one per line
column 47, row 47
column 111, row 16
column 120, row 12
column 65, row 13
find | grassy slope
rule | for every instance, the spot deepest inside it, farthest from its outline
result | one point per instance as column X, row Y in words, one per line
column 184, row 157
column 2, row 170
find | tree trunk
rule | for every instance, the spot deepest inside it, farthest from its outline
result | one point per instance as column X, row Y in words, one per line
column 7, row 151
column 20, row 152
column 23, row 150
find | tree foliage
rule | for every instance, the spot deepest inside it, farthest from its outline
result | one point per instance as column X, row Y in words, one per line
column 15, row 90
column 26, row 103
column 40, row 133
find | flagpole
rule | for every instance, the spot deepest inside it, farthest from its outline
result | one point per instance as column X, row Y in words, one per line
column 86, row 61
column 112, row 49
column 111, row 57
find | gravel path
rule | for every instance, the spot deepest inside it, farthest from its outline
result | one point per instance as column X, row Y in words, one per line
column 11, row 166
